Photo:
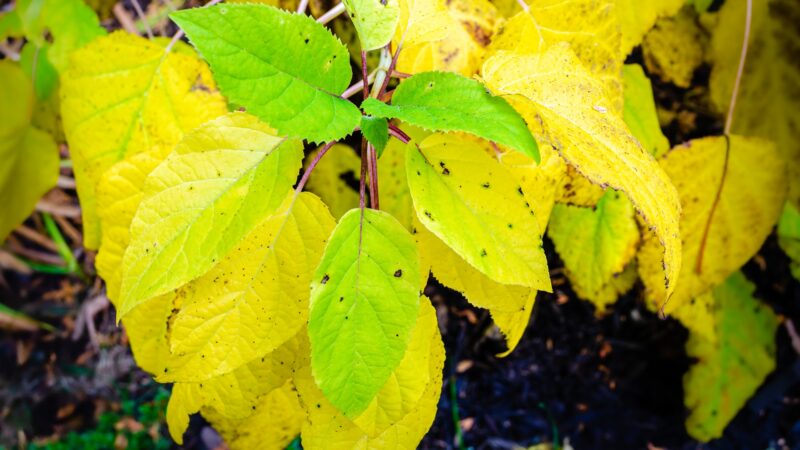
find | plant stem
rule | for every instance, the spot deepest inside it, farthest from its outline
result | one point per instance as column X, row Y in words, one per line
column 301, row 8
column 728, row 124
column 311, row 166
column 390, row 70
column 331, row 14
column 398, row 134
column 362, row 181
column 353, row 90
column 364, row 76
column 372, row 168
column 740, row 70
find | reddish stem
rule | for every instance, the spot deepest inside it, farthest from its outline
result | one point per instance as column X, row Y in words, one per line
column 398, row 134
column 312, row 165
column 372, row 166
column 390, row 71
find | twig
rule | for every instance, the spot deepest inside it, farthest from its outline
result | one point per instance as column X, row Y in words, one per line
column 125, row 19
column 331, row 14
column 139, row 12
column 36, row 237
column 740, row 70
column 73, row 212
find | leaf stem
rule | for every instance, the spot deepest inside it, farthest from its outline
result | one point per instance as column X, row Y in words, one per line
column 301, row 8
column 353, row 90
column 398, row 134
column 704, row 240
column 372, row 168
column 364, row 76
column 331, row 14
column 311, row 166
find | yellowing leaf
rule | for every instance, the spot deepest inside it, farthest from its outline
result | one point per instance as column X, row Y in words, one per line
column 467, row 30
column 123, row 95
column 640, row 111
column 540, row 183
column 733, row 362
column 509, row 305
column 400, row 413
column 275, row 422
column 255, row 298
column 364, row 301
column 472, row 203
column 589, row 26
column 28, row 156
column 577, row 190
column 595, row 244
column 375, row 21
column 637, row 17
column 421, row 21
column 219, row 182
column 673, row 49
column 235, row 395
column 576, row 121
column 120, row 192
column 769, row 95
column 717, row 240
column 335, row 179
column 146, row 327
column 393, row 183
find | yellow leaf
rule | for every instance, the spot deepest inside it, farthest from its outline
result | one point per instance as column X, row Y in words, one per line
column 589, row 26
column 235, row 395
column 120, row 192
column 717, row 240
column 540, row 183
column 595, row 244
column 575, row 189
column 334, row 177
column 399, row 415
column 183, row 402
column 220, row 181
column 637, row 17
column 732, row 362
column 146, row 327
column 472, row 203
column 514, row 323
column 255, row 298
column 673, row 49
column 421, row 21
column 468, row 31
column 575, row 117
column 640, row 111
column 123, row 95
column 769, row 95
column 275, row 422
column 28, row 156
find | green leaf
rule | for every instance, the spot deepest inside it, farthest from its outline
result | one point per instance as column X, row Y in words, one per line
column 37, row 66
column 364, row 303
column 595, row 244
column 284, row 68
column 221, row 180
column 375, row 21
column 789, row 236
column 639, row 111
column 441, row 101
column 734, row 357
column 376, row 131
column 474, row 205
column 28, row 156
